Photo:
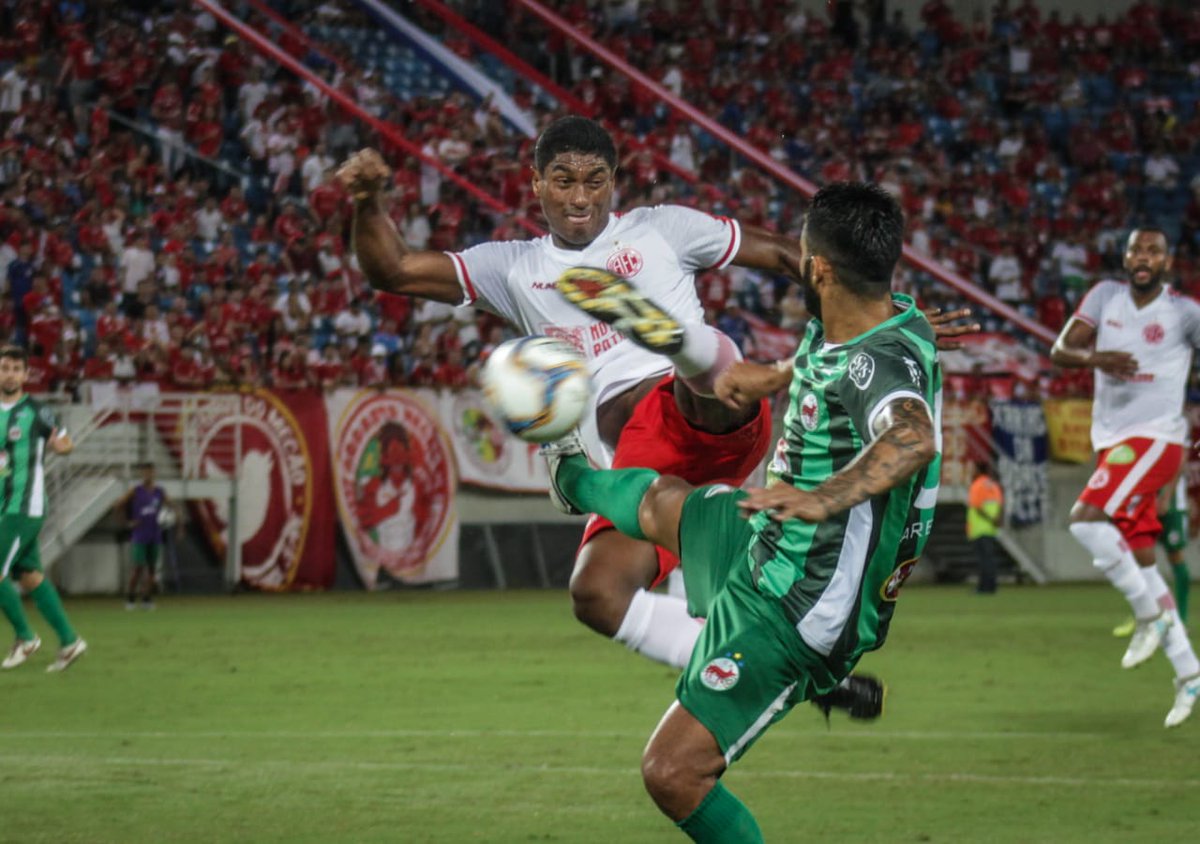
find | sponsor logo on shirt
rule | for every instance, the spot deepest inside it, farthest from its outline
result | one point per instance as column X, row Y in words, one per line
column 1120, row 456
column 862, row 370
column 1154, row 333
column 543, row 285
column 626, row 263
column 1112, row 323
column 722, row 673
column 914, row 371
column 810, row 412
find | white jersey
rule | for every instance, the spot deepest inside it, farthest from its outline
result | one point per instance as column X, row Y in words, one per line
column 658, row 249
column 1160, row 336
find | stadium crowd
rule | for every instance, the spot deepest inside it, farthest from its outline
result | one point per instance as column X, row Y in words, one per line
column 1022, row 147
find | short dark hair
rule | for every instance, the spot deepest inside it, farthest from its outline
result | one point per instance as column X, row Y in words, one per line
column 859, row 228
column 1147, row 229
column 14, row 353
column 574, row 134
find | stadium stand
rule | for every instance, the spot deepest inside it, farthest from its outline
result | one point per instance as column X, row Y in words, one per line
column 168, row 214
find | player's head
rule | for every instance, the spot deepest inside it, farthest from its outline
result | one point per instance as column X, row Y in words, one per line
column 14, row 370
column 1147, row 258
column 852, row 238
column 575, row 165
column 147, row 473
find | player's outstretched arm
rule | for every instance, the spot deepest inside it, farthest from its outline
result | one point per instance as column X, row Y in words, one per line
column 765, row 250
column 385, row 259
column 1075, row 347
column 745, row 383
column 904, row 443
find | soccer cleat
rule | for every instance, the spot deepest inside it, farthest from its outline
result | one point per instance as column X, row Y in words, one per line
column 555, row 452
column 613, row 300
column 860, row 696
column 1147, row 636
column 1125, row 629
column 67, row 656
column 22, row 650
column 1186, row 692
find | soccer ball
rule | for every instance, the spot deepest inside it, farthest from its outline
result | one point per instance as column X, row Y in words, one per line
column 538, row 386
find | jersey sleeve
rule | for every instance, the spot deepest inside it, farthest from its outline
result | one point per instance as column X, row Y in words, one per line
column 1094, row 301
column 45, row 422
column 1190, row 315
column 701, row 241
column 878, row 376
column 483, row 275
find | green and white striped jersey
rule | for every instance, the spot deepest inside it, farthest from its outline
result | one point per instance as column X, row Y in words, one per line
column 838, row 580
column 26, row 426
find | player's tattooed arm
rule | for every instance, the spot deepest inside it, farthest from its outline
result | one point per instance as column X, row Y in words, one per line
column 383, row 256
column 904, row 443
column 1075, row 347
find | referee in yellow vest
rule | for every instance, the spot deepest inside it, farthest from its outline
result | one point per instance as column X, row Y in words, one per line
column 985, row 509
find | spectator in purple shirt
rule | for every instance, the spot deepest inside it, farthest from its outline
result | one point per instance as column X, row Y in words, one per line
column 144, row 507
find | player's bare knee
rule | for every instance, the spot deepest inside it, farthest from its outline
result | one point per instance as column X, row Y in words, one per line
column 661, row 506
column 31, row 580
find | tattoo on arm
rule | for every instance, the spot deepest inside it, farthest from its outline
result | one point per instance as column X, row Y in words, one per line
column 903, row 444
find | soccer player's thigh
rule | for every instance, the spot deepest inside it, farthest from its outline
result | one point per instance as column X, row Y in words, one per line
column 1126, row 480
column 19, row 538
column 746, row 671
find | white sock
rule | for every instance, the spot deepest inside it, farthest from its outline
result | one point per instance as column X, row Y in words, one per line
column 1112, row 556
column 675, row 587
column 658, row 626
column 1159, row 591
column 1178, row 648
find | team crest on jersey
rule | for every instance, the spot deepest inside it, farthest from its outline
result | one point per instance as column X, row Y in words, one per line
column 890, row 590
column 721, row 674
column 1099, row 479
column 1120, row 456
column 862, row 370
column 810, row 412
column 626, row 262
column 1154, row 333
column 14, row 433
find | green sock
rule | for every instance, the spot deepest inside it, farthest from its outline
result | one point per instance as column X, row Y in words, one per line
column 1182, row 578
column 51, row 608
column 615, row 494
column 10, row 604
column 721, row 819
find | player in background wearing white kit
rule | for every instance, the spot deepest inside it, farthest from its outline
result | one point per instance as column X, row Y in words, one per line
column 1138, row 336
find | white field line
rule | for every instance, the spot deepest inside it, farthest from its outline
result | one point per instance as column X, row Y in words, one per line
column 581, row 770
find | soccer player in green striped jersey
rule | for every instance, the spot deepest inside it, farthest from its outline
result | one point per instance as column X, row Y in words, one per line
column 28, row 429
column 797, row 581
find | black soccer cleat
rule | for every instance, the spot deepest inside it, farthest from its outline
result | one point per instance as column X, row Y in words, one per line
column 860, row 696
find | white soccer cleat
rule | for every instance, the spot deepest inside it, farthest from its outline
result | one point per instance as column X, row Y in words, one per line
column 555, row 452
column 1186, row 692
column 67, row 656
column 1147, row 636
column 22, row 650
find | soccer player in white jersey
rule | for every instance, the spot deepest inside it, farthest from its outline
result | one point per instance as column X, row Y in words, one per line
column 1138, row 335
column 649, row 410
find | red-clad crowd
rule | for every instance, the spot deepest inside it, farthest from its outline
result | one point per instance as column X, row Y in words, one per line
column 167, row 211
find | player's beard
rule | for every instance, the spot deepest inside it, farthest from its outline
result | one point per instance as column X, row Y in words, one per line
column 8, row 392
column 1155, row 278
column 812, row 302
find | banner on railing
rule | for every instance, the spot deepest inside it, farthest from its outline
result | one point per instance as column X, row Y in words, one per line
column 966, row 427
column 1019, row 430
column 1069, row 422
column 283, row 496
column 394, row 482
column 487, row 455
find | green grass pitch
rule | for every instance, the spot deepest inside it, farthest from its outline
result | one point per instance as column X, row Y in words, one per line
column 460, row 717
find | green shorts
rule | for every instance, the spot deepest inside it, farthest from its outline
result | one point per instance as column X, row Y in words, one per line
column 145, row 554
column 19, row 544
column 749, row 667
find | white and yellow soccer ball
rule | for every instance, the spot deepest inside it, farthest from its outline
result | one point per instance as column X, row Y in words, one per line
column 537, row 386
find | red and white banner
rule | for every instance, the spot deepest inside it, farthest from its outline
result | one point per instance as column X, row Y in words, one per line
column 769, row 342
column 394, row 481
column 487, row 455
column 283, row 494
column 992, row 354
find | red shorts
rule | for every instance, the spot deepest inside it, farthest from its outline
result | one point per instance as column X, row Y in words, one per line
column 658, row 436
column 1126, row 483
